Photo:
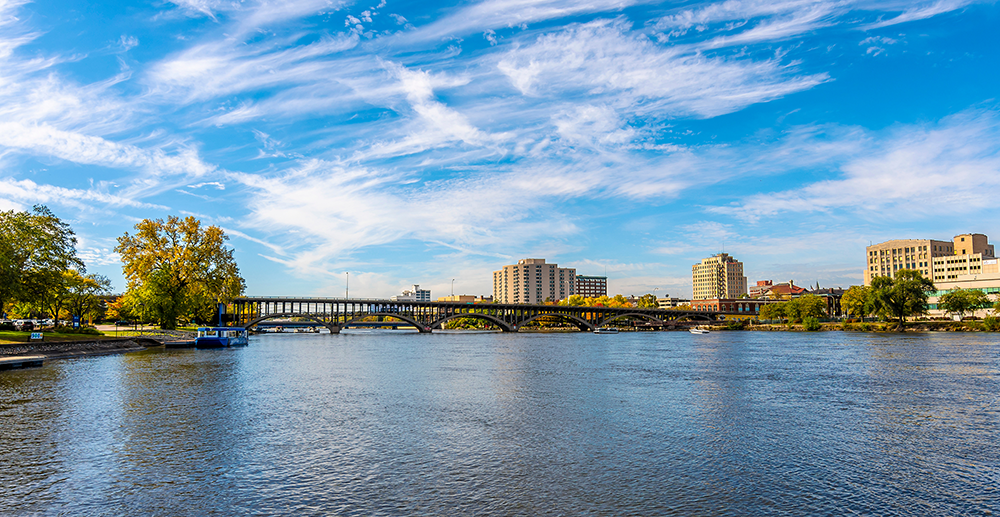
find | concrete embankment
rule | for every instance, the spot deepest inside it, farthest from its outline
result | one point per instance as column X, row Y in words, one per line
column 67, row 349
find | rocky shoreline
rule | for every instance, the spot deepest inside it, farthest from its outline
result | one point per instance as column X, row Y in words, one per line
column 67, row 349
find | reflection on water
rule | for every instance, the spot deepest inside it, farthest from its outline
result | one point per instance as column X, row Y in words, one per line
column 648, row 423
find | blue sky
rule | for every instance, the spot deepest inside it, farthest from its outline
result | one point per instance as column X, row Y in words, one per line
column 417, row 142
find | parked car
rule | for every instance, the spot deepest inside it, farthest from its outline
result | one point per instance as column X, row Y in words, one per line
column 24, row 325
column 123, row 323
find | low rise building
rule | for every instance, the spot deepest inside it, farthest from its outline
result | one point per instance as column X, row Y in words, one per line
column 758, row 291
column 745, row 307
column 466, row 298
column 985, row 278
column 671, row 303
column 784, row 291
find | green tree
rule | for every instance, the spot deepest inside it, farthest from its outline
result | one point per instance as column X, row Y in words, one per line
column 961, row 301
column 900, row 297
column 84, row 295
column 773, row 311
column 35, row 248
column 811, row 306
column 858, row 301
column 177, row 269
column 648, row 301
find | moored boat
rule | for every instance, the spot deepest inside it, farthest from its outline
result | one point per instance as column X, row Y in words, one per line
column 698, row 331
column 606, row 330
column 221, row 337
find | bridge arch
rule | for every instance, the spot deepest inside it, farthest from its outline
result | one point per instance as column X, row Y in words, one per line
column 504, row 326
column 692, row 316
column 582, row 324
column 411, row 321
column 331, row 327
column 639, row 314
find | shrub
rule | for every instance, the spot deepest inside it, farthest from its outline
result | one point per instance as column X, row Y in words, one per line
column 7, row 326
column 736, row 325
column 811, row 324
column 991, row 324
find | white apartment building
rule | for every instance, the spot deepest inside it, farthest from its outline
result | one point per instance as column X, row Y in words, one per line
column 533, row 281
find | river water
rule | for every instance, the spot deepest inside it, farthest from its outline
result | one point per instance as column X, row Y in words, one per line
column 653, row 423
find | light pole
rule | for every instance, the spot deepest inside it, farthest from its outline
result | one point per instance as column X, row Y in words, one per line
column 347, row 286
column 453, row 287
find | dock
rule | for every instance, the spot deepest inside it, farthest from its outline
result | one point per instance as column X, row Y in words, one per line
column 21, row 361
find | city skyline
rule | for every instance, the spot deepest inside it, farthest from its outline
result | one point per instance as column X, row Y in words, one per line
column 410, row 144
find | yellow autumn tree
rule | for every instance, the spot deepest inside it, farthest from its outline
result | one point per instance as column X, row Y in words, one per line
column 177, row 269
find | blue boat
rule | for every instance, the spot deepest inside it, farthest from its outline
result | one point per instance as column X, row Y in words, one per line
column 221, row 337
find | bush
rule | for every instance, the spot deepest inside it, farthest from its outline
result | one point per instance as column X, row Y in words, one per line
column 811, row 324
column 736, row 325
column 991, row 324
column 7, row 326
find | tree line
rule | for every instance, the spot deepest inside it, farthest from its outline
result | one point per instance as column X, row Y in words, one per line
column 177, row 271
column 40, row 272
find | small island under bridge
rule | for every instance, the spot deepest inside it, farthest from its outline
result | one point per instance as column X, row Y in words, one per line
column 338, row 313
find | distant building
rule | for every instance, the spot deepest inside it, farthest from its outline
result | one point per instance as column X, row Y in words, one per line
column 533, row 281
column 922, row 255
column 784, row 290
column 757, row 291
column 591, row 286
column 719, row 276
column 413, row 295
column 747, row 307
column 832, row 296
column 466, row 298
column 671, row 303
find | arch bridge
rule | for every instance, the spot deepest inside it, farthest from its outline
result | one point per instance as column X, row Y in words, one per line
column 337, row 313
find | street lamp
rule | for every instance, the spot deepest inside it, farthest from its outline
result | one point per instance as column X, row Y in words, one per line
column 453, row 287
column 347, row 286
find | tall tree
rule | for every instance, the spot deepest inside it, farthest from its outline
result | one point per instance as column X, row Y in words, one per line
column 806, row 306
column 176, row 268
column 648, row 301
column 35, row 247
column 84, row 294
column 961, row 301
column 773, row 311
column 903, row 296
column 858, row 301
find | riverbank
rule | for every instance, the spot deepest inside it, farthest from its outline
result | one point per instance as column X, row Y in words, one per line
column 68, row 349
column 912, row 326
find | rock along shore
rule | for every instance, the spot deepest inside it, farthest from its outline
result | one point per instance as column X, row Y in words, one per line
column 67, row 349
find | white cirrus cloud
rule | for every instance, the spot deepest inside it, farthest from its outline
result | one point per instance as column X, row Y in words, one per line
column 86, row 149
column 910, row 172
column 603, row 59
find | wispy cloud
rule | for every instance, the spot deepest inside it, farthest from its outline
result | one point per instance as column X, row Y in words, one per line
column 910, row 172
column 603, row 59
column 921, row 11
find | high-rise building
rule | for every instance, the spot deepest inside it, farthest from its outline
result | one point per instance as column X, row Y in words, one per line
column 533, row 281
column 718, row 276
column 591, row 286
column 936, row 260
